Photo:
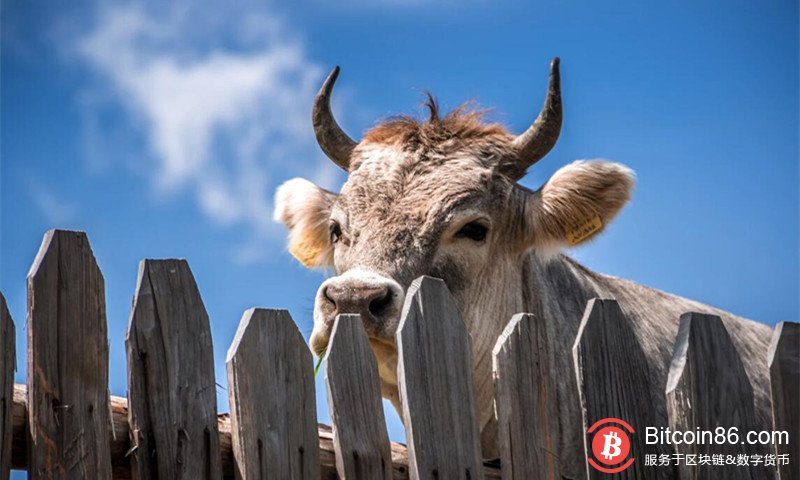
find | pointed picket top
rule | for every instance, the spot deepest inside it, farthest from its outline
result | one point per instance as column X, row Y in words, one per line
column 271, row 393
column 436, row 386
column 614, row 383
column 67, row 361
column 705, row 364
column 354, row 398
column 171, row 388
column 526, row 400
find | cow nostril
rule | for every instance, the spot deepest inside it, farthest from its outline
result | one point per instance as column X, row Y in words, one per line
column 378, row 306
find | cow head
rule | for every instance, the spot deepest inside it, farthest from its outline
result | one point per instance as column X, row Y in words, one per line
column 439, row 197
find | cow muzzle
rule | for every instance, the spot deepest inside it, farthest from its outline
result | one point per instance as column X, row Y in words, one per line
column 376, row 298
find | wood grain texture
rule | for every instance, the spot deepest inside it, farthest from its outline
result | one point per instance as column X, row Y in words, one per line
column 613, row 382
column 784, row 373
column 354, row 398
column 171, row 387
column 19, row 431
column 436, row 386
column 67, row 361
column 707, row 387
column 120, row 444
column 271, row 392
column 8, row 364
column 526, row 399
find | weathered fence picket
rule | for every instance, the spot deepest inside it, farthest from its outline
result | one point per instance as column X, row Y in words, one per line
column 354, row 397
column 525, row 399
column 171, row 388
column 68, row 401
column 784, row 374
column 707, row 387
column 613, row 382
column 121, row 445
column 436, row 389
column 168, row 428
column 271, row 392
column 7, row 365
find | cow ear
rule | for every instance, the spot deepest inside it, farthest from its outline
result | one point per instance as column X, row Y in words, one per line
column 576, row 204
column 305, row 209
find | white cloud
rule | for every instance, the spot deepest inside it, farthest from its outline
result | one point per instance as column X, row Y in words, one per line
column 219, row 121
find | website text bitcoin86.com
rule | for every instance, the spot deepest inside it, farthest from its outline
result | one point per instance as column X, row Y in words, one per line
column 718, row 436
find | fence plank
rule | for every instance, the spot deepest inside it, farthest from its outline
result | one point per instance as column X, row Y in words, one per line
column 707, row 387
column 121, row 444
column 613, row 382
column 354, row 397
column 525, row 399
column 171, row 387
column 67, row 361
column 784, row 373
column 271, row 392
column 436, row 388
column 8, row 361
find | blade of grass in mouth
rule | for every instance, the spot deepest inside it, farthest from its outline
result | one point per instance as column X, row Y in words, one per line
column 319, row 362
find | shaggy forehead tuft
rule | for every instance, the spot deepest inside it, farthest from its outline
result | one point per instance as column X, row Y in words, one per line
column 462, row 125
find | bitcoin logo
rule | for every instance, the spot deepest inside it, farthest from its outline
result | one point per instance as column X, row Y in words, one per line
column 610, row 445
column 611, row 448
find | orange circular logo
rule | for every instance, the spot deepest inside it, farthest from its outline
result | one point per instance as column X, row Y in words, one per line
column 611, row 445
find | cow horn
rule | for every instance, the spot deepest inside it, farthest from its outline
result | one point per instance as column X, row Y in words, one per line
column 541, row 137
column 336, row 144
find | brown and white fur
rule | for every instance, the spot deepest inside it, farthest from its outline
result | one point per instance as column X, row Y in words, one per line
column 413, row 186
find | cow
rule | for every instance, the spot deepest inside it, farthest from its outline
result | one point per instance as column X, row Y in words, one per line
column 440, row 197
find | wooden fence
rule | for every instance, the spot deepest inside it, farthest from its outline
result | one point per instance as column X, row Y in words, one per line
column 64, row 424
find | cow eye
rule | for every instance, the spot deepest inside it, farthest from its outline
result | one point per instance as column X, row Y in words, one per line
column 336, row 231
column 474, row 231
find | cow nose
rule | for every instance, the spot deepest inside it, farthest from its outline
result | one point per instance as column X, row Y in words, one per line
column 365, row 300
column 378, row 299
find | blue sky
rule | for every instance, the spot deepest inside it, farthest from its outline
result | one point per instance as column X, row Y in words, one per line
column 164, row 131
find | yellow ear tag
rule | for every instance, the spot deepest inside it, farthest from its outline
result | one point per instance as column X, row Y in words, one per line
column 585, row 230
